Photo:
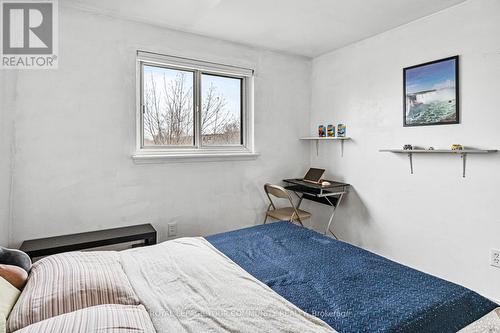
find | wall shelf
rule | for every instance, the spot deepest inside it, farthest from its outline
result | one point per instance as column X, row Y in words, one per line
column 463, row 154
column 318, row 139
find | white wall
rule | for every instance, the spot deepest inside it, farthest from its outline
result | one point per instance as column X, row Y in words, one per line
column 8, row 82
column 75, row 133
column 434, row 220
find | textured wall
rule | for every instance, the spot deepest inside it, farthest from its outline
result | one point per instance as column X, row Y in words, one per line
column 8, row 81
column 75, row 134
column 434, row 220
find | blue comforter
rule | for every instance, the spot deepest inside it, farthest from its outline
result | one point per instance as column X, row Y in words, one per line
column 351, row 289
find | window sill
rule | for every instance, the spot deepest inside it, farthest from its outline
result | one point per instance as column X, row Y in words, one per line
column 167, row 157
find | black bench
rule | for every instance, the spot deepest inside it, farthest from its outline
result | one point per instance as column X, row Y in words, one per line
column 86, row 240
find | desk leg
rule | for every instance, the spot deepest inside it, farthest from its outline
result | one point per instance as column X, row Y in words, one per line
column 300, row 201
column 333, row 215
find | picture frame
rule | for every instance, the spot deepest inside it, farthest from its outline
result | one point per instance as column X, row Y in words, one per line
column 431, row 93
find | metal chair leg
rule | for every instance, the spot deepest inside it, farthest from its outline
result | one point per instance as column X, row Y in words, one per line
column 334, row 236
column 292, row 219
column 268, row 208
column 298, row 220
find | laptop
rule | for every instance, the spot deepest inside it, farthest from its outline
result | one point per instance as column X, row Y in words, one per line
column 314, row 175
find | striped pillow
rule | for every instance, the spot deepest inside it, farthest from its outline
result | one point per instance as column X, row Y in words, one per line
column 68, row 282
column 110, row 318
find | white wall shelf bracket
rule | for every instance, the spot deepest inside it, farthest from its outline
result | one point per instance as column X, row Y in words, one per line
column 463, row 154
column 464, row 159
column 318, row 139
column 410, row 157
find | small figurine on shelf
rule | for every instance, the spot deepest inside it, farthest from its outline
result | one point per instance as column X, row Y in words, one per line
column 407, row 147
column 457, row 147
column 341, row 131
column 321, row 131
column 330, row 131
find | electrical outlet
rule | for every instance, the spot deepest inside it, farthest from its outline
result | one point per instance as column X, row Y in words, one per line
column 495, row 258
column 172, row 229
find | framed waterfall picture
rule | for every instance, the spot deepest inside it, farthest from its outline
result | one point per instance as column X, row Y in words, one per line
column 431, row 93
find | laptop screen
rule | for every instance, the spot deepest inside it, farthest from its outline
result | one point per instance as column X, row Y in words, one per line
column 314, row 175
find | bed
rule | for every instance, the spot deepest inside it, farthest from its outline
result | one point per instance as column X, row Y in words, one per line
column 351, row 289
column 269, row 278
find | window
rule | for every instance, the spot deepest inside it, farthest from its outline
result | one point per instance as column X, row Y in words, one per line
column 192, row 108
column 167, row 107
column 221, row 110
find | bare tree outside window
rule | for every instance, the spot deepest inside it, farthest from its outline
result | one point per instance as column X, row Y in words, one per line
column 221, row 110
column 168, row 107
column 168, row 113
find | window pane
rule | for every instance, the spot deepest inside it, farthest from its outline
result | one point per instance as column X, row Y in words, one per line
column 168, row 107
column 221, row 110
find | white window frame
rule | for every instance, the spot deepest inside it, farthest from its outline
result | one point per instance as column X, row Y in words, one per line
column 152, row 154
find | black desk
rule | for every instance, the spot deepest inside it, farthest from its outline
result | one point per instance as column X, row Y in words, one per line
column 330, row 195
column 53, row 245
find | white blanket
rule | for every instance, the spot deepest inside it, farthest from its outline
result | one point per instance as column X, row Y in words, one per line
column 487, row 324
column 189, row 286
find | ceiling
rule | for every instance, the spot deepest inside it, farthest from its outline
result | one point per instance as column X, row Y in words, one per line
column 304, row 27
